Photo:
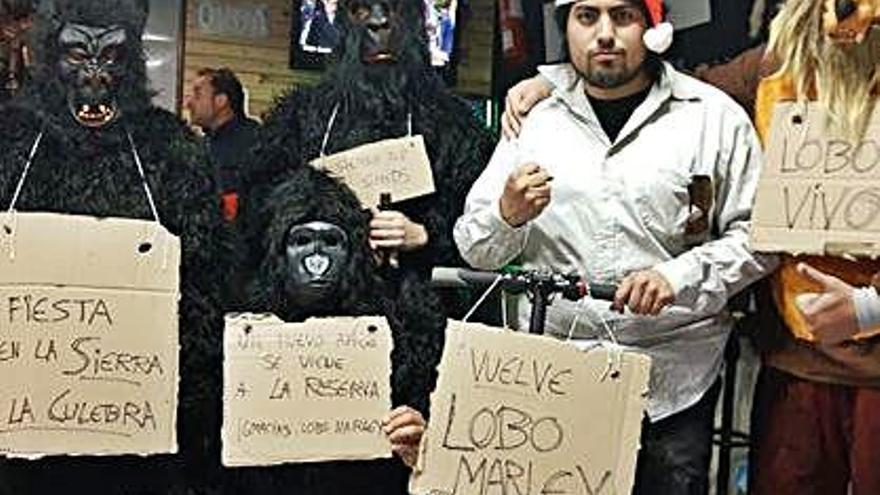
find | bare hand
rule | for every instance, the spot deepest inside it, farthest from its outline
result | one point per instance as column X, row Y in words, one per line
column 831, row 314
column 644, row 292
column 405, row 427
column 519, row 101
column 394, row 231
column 526, row 194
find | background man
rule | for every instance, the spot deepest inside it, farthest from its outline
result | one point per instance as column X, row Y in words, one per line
column 217, row 106
column 598, row 182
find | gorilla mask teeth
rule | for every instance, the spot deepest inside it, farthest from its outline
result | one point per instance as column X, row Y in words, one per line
column 95, row 115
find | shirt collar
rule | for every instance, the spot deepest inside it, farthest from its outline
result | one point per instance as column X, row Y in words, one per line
column 569, row 87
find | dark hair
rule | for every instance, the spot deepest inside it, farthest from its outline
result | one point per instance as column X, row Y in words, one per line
column 653, row 61
column 225, row 82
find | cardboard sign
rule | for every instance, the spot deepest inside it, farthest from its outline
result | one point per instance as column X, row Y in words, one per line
column 515, row 413
column 819, row 193
column 305, row 392
column 88, row 336
column 397, row 166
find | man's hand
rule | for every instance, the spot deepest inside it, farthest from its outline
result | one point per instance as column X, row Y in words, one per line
column 405, row 427
column 831, row 314
column 644, row 292
column 526, row 194
column 519, row 101
column 394, row 231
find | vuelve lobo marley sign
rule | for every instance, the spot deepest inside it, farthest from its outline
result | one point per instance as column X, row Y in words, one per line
column 521, row 414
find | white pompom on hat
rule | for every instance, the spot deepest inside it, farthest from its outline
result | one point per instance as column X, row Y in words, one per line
column 658, row 37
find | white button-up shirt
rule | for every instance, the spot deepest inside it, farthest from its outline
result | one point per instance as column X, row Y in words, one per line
column 622, row 206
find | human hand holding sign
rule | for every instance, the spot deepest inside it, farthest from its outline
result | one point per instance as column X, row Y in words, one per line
column 831, row 314
column 405, row 427
column 526, row 194
column 392, row 230
column 645, row 292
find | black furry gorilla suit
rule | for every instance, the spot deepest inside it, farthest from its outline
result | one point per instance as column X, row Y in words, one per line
column 413, row 312
column 85, row 171
column 374, row 102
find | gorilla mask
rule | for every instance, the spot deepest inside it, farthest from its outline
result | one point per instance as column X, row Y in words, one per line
column 89, row 61
column 316, row 254
column 90, row 67
column 383, row 31
column 375, row 19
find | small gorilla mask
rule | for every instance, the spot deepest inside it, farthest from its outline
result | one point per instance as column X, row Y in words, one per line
column 316, row 253
column 91, row 61
column 377, row 19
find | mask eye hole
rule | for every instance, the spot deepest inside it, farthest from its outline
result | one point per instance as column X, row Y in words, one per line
column 110, row 55
column 300, row 240
column 77, row 55
column 332, row 241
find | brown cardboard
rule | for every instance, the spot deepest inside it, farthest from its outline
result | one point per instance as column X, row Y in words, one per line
column 552, row 419
column 819, row 193
column 397, row 166
column 305, row 392
column 71, row 287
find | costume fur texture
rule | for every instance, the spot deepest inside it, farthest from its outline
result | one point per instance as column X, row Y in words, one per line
column 91, row 172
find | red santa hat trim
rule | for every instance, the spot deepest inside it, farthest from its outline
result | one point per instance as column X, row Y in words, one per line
column 658, row 37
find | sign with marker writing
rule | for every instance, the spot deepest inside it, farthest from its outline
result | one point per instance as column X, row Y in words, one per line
column 88, row 336
column 516, row 413
column 305, row 392
column 819, row 192
column 397, row 166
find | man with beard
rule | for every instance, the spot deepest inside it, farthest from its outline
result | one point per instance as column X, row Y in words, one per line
column 633, row 174
column 815, row 424
column 382, row 86
column 101, row 148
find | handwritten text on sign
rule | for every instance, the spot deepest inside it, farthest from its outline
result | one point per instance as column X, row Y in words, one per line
column 88, row 336
column 515, row 413
column 305, row 392
column 397, row 166
column 819, row 193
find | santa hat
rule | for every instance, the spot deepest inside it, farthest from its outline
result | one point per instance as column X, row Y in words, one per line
column 658, row 37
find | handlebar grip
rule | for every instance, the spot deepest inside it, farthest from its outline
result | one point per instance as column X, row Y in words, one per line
column 602, row 291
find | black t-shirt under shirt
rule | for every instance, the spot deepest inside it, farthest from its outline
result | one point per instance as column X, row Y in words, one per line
column 613, row 114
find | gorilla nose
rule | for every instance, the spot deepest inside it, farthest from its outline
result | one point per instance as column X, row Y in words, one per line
column 844, row 8
column 317, row 264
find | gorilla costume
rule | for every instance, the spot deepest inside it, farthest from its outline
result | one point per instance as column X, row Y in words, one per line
column 316, row 262
column 89, row 100
column 381, row 76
